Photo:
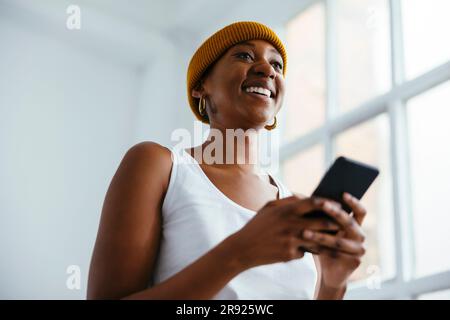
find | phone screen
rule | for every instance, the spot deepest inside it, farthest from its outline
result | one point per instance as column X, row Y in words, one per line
column 345, row 175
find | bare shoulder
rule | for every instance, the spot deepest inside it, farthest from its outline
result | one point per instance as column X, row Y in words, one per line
column 150, row 152
column 130, row 226
column 149, row 159
column 150, row 148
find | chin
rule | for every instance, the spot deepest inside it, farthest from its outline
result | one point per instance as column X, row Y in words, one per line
column 260, row 117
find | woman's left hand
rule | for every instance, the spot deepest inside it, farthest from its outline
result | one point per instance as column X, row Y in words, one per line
column 340, row 254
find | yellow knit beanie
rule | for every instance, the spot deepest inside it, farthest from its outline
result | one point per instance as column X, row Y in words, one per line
column 217, row 44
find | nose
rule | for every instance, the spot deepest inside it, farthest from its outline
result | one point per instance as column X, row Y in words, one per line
column 264, row 68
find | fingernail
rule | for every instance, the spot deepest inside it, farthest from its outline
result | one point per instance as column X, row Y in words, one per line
column 317, row 201
column 307, row 234
column 347, row 196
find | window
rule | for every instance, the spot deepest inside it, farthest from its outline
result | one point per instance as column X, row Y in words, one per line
column 373, row 85
column 363, row 65
column 425, row 25
column 305, row 78
column 305, row 170
column 429, row 131
column 369, row 143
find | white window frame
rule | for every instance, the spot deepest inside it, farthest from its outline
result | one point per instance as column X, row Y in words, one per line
column 392, row 103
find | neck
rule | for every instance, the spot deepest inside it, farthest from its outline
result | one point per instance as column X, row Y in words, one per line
column 232, row 149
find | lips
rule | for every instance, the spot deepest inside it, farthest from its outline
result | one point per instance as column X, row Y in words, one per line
column 259, row 87
column 258, row 96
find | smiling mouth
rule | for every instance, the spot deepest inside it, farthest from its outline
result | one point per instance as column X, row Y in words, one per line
column 258, row 92
column 258, row 95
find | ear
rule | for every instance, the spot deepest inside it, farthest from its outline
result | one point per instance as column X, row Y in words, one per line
column 198, row 91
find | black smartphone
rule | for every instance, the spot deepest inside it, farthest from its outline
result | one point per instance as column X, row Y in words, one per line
column 345, row 175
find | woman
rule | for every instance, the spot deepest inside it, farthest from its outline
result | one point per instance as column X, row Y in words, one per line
column 222, row 230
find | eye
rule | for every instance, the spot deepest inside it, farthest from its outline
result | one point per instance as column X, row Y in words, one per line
column 279, row 65
column 244, row 55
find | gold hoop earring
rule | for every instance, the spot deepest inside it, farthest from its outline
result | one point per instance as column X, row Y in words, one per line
column 202, row 106
column 272, row 126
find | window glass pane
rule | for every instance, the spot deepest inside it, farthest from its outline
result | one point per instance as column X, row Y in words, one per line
column 369, row 143
column 302, row 172
column 438, row 295
column 426, row 28
column 429, row 135
column 363, row 51
column 305, row 78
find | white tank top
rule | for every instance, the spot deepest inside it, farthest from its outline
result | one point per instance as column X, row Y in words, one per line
column 196, row 216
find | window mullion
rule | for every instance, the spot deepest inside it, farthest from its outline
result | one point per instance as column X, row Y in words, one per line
column 400, row 155
column 397, row 47
column 331, row 77
column 403, row 225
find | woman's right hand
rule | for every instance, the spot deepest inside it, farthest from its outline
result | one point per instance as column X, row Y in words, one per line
column 274, row 234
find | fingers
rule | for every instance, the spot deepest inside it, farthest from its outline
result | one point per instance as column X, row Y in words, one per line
column 348, row 246
column 311, row 247
column 348, row 223
column 305, row 205
column 294, row 249
column 299, row 204
column 358, row 210
column 283, row 201
column 300, row 207
column 351, row 260
column 316, row 224
column 306, row 246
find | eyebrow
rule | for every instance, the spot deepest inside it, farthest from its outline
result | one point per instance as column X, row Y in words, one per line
column 249, row 44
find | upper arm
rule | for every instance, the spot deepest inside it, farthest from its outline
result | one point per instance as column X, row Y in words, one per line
column 130, row 226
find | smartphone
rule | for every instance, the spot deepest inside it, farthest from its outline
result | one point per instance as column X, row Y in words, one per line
column 345, row 175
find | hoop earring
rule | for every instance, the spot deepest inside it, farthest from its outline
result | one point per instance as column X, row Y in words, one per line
column 272, row 126
column 202, row 106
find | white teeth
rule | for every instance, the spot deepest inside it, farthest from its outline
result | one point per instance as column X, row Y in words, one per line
column 263, row 91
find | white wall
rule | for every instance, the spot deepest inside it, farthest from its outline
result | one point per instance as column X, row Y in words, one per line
column 70, row 107
column 163, row 104
column 66, row 118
